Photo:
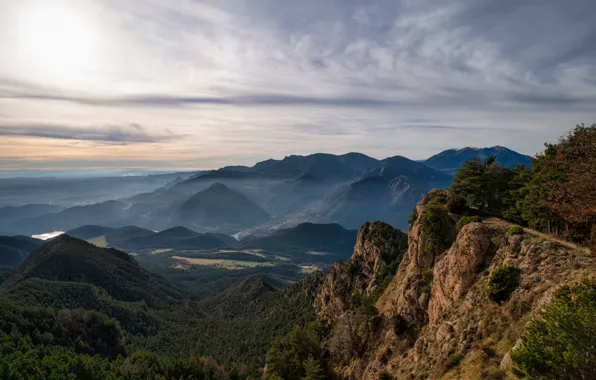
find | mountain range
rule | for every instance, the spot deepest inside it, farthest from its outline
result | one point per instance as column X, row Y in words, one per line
column 347, row 189
column 449, row 161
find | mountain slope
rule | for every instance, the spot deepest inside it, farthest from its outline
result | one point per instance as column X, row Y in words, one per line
column 331, row 238
column 176, row 238
column 106, row 213
column 387, row 193
column 27, row 211
column 68, row 259
column 450, row 160
column 88, row 232
column 248, row 296
column 219, row 207
column 118, row 235
column 14, row 249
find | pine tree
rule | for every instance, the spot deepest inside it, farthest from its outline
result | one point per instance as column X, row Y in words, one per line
column 312, row 369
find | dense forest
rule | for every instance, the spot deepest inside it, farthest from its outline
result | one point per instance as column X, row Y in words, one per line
column 103, row 316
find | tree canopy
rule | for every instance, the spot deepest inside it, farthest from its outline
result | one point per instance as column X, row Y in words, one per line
column 557, row 195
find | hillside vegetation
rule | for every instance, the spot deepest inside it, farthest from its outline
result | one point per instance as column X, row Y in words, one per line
column 557, row 195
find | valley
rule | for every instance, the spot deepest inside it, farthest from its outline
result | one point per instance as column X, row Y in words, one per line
column 280, row 299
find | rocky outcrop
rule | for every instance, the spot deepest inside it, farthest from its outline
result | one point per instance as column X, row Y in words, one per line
column 377, row 245
column 457, row 270
column 409, row 293
column 435, row 319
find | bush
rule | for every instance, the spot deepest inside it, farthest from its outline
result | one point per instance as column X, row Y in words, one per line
column 452, row 362
column 400, row 325
column 592, row 243
column 427, row 276
column 456, row 204
column 559, row 344
column 515, row 230
column 385, row 376
column 467, row 220
column 436, row 227
column 413, row 217
column 503, row 281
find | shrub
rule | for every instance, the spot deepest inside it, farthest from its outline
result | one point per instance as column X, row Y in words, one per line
column 515, row 230
column 400, row 325
column 427, row 276
column 436, row 227
column 452, row 362
column 559, row 344
column 385, row 376
column 456, row 204
column 592, row 243
column 413, row 217
column 364, row 304
column 385, row 357
column 467, row 220
column 503, row 281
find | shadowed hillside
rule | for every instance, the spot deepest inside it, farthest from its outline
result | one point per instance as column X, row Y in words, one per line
column 68, row 259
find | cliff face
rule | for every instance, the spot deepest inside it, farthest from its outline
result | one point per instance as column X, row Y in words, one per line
column 435, row 319
column 377, row 245
column 409, row 293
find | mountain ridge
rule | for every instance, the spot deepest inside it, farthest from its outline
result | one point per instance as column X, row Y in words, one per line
column 451, row 160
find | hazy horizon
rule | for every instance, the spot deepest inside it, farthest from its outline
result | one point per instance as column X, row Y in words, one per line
column 186, row 85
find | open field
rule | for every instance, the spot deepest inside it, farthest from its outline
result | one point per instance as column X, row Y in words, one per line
column 223, row 263
column 158, row 251
column 99, row 241
column 317, row 253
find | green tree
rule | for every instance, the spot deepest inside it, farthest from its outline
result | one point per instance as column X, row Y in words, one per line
column 483, row 185
column 312, row 369
column 469, row 184
column 559, row 343
column 288, row 356
column 503, row 281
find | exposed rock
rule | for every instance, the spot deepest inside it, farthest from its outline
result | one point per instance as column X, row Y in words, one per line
column 377, row 243
column 409, row 292
column 464, row 322
column 436, row 320
column 455, row 272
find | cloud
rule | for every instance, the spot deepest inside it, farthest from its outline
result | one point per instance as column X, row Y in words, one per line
column 249, row 100
column 132, row 133
column 248, row 80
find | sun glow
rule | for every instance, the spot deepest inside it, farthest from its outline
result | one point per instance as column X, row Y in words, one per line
column 58, row 41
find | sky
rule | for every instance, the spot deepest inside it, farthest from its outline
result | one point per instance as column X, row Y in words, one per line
column 188, row 84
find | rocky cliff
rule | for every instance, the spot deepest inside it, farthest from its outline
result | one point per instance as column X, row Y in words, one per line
column 436, row 319
column 378, row 245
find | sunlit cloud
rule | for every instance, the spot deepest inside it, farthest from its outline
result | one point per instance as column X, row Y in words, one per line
column 242, row 81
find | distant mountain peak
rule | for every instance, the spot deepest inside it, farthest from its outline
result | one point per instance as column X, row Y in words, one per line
column 450, row 160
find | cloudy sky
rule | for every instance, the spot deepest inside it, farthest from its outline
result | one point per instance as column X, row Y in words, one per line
column 188, row 84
